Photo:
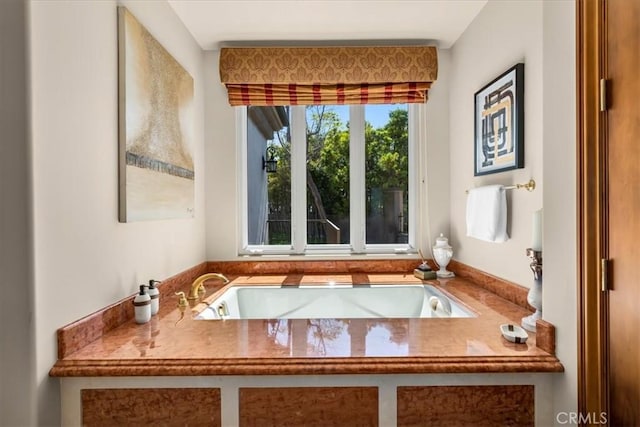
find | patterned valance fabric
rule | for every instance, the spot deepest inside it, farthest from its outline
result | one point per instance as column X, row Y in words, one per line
column 328, row 75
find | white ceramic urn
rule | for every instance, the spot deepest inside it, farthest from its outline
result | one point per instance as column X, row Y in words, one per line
column 442, row 253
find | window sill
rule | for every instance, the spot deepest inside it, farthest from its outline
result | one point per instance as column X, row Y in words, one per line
column 333, row 255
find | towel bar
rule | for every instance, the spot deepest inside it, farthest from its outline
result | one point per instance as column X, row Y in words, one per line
column 529, row 186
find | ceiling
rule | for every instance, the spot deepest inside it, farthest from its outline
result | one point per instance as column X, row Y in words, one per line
column 216, row 23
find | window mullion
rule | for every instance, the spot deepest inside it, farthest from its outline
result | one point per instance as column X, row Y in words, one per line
column 241, row 138
column 357, row 189
column 416, row 135
column 298, row 179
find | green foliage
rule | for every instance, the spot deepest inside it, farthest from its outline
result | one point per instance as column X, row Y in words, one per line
column 330, row 170
column 328, row 160
column 387, row 152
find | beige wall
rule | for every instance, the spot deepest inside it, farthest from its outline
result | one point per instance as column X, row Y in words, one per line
column 560, row 288
column 503, row 34
column 542, row 35
column 434, row 207
column 17, row 406
column 84, row 258
column 222, row 163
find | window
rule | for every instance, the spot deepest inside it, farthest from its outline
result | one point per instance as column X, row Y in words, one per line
column 344, row 181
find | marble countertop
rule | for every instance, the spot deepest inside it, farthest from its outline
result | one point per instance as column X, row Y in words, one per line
column 174, row 345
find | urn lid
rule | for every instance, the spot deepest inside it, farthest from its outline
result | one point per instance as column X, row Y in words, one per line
column 442, row 242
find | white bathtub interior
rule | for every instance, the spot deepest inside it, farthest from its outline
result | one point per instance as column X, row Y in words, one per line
column 333, row 301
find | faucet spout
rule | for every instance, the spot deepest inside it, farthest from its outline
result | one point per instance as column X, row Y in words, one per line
column 197, row 287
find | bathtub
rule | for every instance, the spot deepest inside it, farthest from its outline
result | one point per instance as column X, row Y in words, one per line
column 332, row 302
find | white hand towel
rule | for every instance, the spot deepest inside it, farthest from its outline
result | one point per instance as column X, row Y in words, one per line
column 487, row 213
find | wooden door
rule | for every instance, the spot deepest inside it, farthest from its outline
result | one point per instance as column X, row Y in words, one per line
column 622, row 204
column 608, row 47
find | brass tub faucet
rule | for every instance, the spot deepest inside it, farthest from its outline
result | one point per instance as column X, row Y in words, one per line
column 197, row 287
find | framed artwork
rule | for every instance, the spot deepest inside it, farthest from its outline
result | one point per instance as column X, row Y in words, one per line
column 155, row 126
column 499, row 123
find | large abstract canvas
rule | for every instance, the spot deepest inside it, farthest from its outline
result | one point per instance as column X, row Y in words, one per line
column 155, row 128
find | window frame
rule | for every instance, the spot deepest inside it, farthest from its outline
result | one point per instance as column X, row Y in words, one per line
column 357, row 189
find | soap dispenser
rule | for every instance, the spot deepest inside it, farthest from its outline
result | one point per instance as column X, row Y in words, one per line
column 154, row 294
column 142, row 306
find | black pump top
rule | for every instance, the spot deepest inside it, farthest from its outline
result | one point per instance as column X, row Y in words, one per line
column 142, row 292
column 152, row 283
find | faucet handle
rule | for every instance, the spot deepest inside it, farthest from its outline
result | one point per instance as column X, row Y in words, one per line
column 182, row 305
column 201, row 290
column 182, row 301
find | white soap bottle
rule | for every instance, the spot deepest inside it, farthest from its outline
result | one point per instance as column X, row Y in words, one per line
column 154, row 294
column 142, row 306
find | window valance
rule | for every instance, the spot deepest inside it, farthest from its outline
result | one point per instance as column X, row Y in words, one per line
column 328, row 75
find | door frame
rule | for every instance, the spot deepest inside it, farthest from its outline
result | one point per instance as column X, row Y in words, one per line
column 592, row 213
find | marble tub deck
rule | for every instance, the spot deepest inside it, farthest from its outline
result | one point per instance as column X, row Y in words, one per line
column 110, row 343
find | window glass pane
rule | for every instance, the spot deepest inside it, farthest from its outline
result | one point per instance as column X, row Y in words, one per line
column 327, row 174
column 387, row 173
column 268, row 176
